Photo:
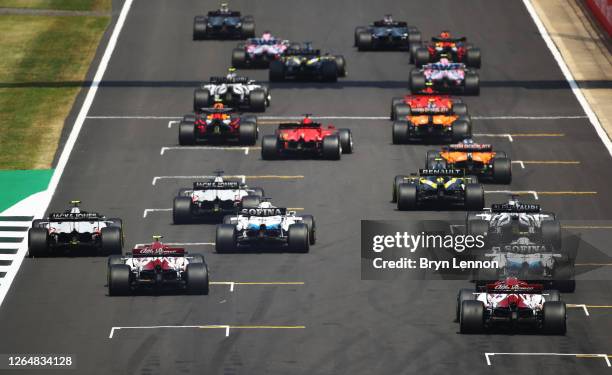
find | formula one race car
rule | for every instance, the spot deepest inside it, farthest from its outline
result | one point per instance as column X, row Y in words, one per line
column 447, row 187
column 307, row 64
column 214, row 199
column 445, row 76
column 456, row 49
column 307, row 138
column 75, row 229
column 430, row 117
column 476, row 159
column 511, row 303
column 264, row 227
column 223, row 24
column 233, row 91
column 387, row 34
column 426, row 104
column 259, row 52
column 157, row 267
column 218, row 125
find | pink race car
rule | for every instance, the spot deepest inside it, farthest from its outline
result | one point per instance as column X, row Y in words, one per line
column 444, row 76
column 258, row 52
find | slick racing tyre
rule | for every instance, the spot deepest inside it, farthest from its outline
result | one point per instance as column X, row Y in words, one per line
column 474, row 197
column 225, row 238
column 257, row 100
column 414, row 37
column 358, row 30
column 471, row 84
column 364, row 41
column 331, row 147
column 413, row 48
column 417, row 81
column 463, row 295
column 248, row 28
column 276, row 71
column 312, row 229
column 461, row 130
column 38, row 242
column 196, row 278
column 181, row 210
column 401, row 110
column 407, row 197
column 201, row 99
column 239, row 58
column 563, row 278
column 247, row 133
column 112, row 242
column 551, row 233
column 554, row 318
column 329, row 71
column 118, row 280
column 340, row 65
column 269, row 147
column 471, row 317
column 394, row 103
column 400, row 132
column 250, row 201
column 114, row 259
column 421, row 57
column 186, row 133
column 502, row 170
column 346, row 140
column 396, row 183
column 460, row 109
column 297, row 238
column 199, row 28
column 472, row 58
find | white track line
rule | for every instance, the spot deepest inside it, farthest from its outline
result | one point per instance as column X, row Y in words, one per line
column 70, row 142
column 582, row 306
column 176, row 119
column 246, row 150
column 208, row 326
column 157, row 178
column 147, row 211
column 586, row 107
column 577, row 355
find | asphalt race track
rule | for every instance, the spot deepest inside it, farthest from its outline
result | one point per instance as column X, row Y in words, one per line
column 333, row 323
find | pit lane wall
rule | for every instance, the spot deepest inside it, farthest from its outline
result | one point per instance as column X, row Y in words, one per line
column 602, row 10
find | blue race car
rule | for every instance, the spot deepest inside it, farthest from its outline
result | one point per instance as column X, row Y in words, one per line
column 387, row 34
column 223, row 24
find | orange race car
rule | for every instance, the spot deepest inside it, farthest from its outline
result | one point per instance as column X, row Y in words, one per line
column 474, row 158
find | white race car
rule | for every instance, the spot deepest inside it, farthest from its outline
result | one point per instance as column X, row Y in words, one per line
column 233, row 91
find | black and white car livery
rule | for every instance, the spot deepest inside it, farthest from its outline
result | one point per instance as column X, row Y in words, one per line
column 233, row 91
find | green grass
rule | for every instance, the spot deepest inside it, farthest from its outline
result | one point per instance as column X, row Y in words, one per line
column 44, row 60
column 97, row 5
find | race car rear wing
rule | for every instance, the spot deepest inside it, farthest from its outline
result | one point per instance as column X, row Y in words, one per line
column 228, row 185
column 442, row 172
column 302, row 52
column 216, row 110
column 514, row 289
column 220, row 80
column 216, row 13
column 419, row 110
column 262, row 212
column 392, row 24
column 298, row 125
column 474, row 147
column 516, row 207
column 436, row 39
column 82, row 216
column 140, row 252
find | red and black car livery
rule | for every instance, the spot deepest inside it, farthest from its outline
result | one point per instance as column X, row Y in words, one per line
column 218, row 125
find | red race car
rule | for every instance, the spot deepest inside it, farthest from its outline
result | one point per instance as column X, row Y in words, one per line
column 218, row 125
column 455, row 49
column 426, row 104
column 307, row 138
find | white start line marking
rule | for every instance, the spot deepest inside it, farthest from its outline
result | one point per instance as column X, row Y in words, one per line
column 488, row 356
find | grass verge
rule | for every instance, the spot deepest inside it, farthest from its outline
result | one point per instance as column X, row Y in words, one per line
column 96, row 5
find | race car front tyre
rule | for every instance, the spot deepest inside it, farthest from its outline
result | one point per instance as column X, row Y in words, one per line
column 474, row 197
column 118, row 280
column 340, row 65
column 460, row 109
column 186, row 133
column 414, row 36
column 502, row 170
column 199, row 28
column 201, row 99
column 112, row 240
column 248, row 29
column 225, row 238
column 471, row 84
column 400, row 132
column 297, row 238
column 329, row 71
column 181, row 210
column 471, row 317
column 257, row 100
column 250, row 201
column 331, row 147
column 551, row 233
column 346, row 140
column 417, row 81
column 461, row 130
column 463, row 295
column 358, row 30
column 401, row 110
column 551, row 295
column 396, row 183
column 472, row 58
column 421, row 57
column 38, row 242
column 364, row 41
column 239, row 58
column 269, row 147
column 394, row 103
column 312, row 228
column 196, row 275
column 554, row 318
column 406, row 197
column 413, row 48
column 247, row 133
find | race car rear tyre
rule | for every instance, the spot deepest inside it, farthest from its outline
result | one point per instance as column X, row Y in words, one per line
column 196, row 276
column 186, row 133
column 413, row 48
column 276, row 71
column 297, row 238
column 554, row 318
column 257, row 100
column 239, row 58
column 38, row 242
column 364, row 41
column 396, row 183
column 201, row 99
column 472, row 58
column 340, row 65
column 460, row 109
column 346, row 140
column 112, row 241
column 551, row 233
column 471, row 317
column 421, row 57
column 37, row 223
column 329, row 71
column 181, row 210
column 406, row 197
column 417, row 81
column 394, row 103
column 400, row 132
column 248, row 29
column 331, row 147
column 502, row 170
column 551, row 295
column 474, row 197
column 461, row 130
column 250, row 201
column 358, row 30
column 402, row 111
column 189, row 118
column 247, row 133
column 199, row 28
column 463, row 295
column 312, row 228
column 269, row 147
column 225, row 238
column 118, row 280
column 114, row 259
column 471, row 84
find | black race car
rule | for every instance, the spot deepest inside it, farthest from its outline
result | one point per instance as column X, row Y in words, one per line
column 387, row 34
column 218, row 125
column 223, row 24
column 306, row 63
